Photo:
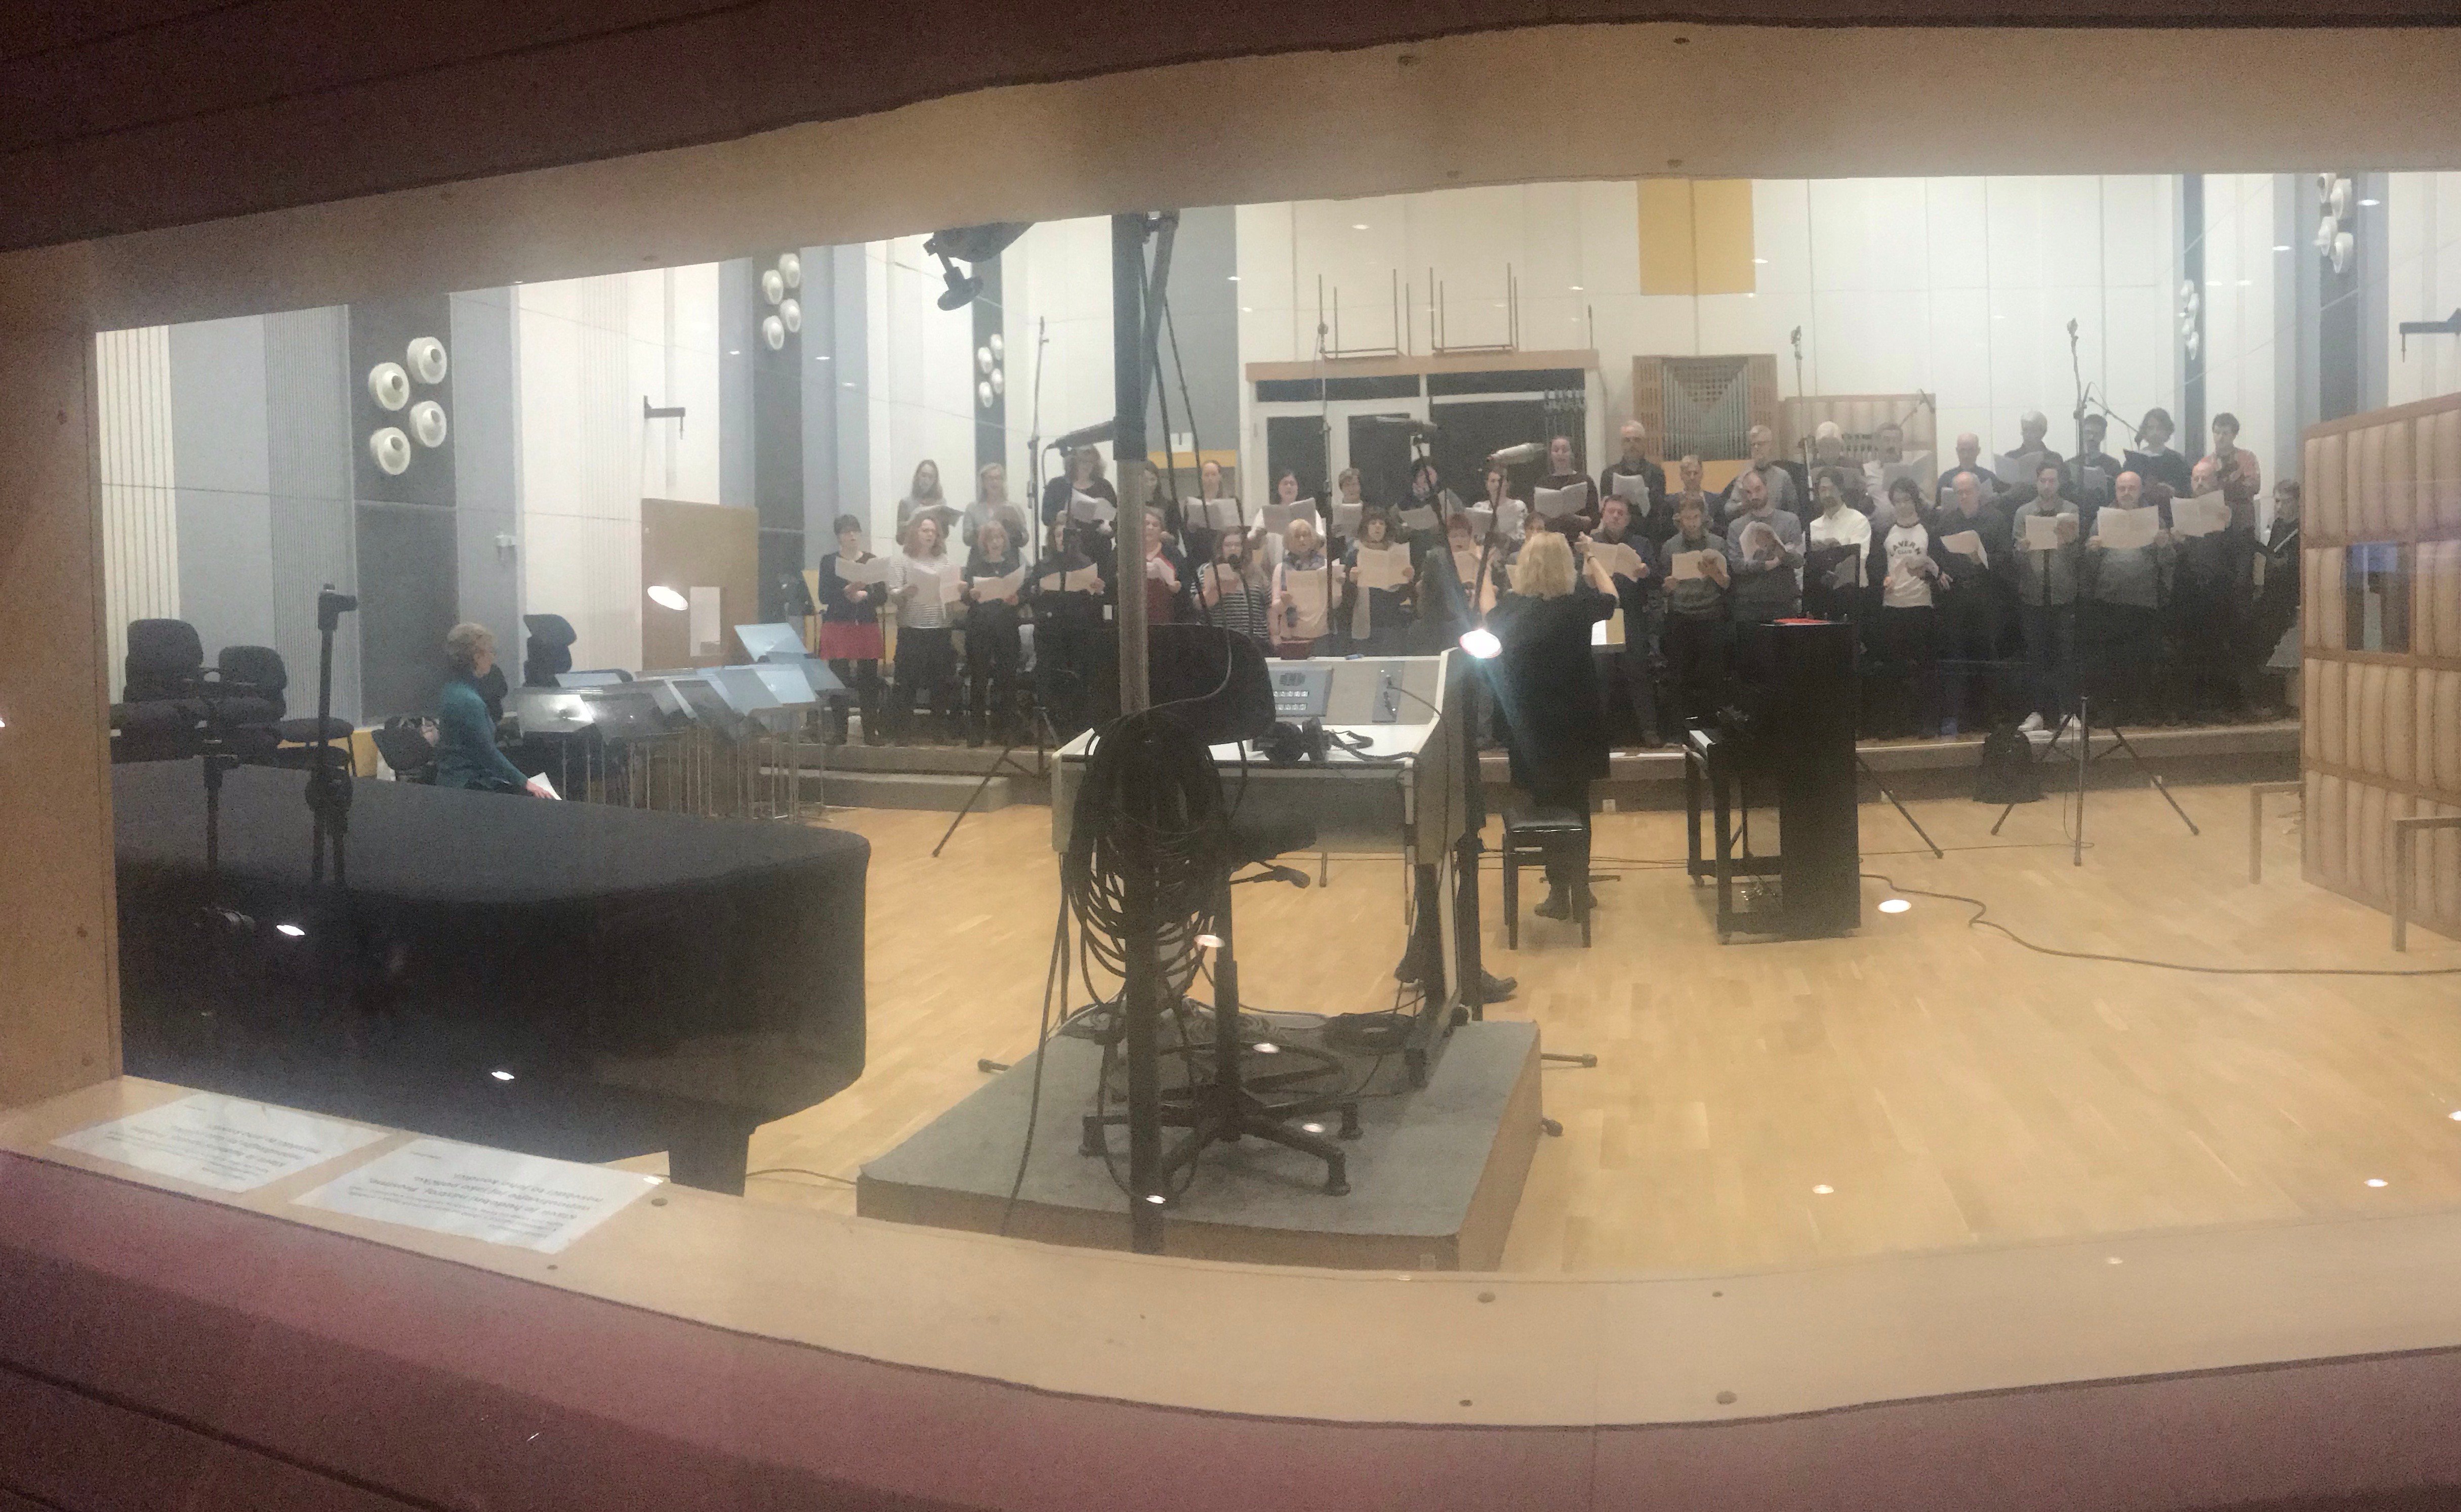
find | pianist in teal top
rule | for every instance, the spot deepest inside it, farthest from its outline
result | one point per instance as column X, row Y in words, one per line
column 465, row 738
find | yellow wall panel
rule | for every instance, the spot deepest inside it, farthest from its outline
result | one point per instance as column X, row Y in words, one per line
column 1722, row 236
column 1667, row 264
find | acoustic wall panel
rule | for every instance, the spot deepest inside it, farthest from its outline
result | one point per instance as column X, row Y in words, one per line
column 140, row 522
column 408, row 591
column 2383, row 734
column 309, row 478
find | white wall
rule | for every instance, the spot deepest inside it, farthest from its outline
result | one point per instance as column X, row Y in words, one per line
column 140, row 534
column 2423, row 282
column 1958, row 287
column 1059, row 274
column 920, row 401
column 2246, row 326
column 588, row 351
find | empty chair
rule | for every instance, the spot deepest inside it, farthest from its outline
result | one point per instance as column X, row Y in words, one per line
column 159, row 716
column 247, row 700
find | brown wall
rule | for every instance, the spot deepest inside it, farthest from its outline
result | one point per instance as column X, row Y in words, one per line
column 705, row 545
column 2383, row 729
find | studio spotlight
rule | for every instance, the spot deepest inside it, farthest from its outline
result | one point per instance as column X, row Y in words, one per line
column 962, row 286
column 970, row 244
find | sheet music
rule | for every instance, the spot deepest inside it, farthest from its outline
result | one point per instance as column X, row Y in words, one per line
column 1885, row 475
column 1619, row 559
column 1003, row 587
column 1967, row 544
column 1759, row 541
column 227, row 1143
column 1558, row 503
column 2203, row 515
column 1092, row 510
column 2042, row 532
column 1482, row 519
column 1345, row 517
column 2127, row 529
column 1418, row 517
column 1382, row 566
column 1683, row 567
column 1847, row 572
column 1277, row 517
column 1633, row 488
column 1307, row 590
column 1076, row 580
column 1213, row 514
column 870, row 570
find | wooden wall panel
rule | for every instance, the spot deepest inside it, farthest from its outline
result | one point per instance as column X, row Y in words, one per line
column 2362, row 483
column 2400, row 478
column 2326, row 513
column 2439, row 470
column 2435, row 630
column 2330, row 715
column 2439, row 729
column 2324, row 621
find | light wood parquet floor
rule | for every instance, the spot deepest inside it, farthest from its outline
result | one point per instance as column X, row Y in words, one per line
column 1944, row 1085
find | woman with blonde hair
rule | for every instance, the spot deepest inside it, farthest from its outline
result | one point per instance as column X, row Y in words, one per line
column 923, row 497
column 1546, row 685
column 465, row 738
column 1305, row 586
column 991, row 502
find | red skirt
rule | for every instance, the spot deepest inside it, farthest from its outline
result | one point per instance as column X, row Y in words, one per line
column 849, row 641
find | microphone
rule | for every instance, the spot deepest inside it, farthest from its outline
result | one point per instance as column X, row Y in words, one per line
column 1086, row 435
column 1511, row 456
column 1411, row 424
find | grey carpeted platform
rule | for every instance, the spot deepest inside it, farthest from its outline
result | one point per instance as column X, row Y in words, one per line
column 1434, row 1176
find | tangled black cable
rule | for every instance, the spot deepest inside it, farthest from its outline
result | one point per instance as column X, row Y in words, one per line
column 1150, row 823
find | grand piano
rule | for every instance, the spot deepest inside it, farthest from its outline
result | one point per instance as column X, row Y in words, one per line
column 567, row 979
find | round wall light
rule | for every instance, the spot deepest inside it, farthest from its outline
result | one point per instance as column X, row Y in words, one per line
column 790, row 268
column 790, row 314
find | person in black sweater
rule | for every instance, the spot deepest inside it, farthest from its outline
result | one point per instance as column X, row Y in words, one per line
column 1563, row 472
column 991, row 633
column 2276, row 603
column 1650, row 513
column 1975, row 600
column 1637, row 664
column 1548, row 688
column 850, row 640
column 1072, row 656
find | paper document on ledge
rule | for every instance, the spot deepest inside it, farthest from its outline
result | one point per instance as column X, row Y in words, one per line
column 1384, row 567
column 1092, row 510
column 525, row 1200
column 2127, row 529
column 1560, row 503
column 227, row 1143
column 2203, row 515
column 1967, row 544
column 869, row 570
column 2042, row 532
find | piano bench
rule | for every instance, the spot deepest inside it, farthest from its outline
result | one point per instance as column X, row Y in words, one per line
column 1533, row 837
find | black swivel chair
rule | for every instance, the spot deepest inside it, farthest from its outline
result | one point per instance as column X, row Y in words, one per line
column 549, row 651
column 159, row 713
column 253, row 682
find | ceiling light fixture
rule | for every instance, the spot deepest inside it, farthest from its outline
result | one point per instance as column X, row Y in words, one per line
column 2375, row 1180
column 294, row 931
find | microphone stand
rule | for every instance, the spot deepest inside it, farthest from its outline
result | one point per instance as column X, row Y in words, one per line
column 328, row 787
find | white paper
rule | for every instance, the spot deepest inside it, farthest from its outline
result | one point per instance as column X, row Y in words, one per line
column 2127, row 529
column 1848, row 573
column 705, row 634
column 1418, row 517
column 2200, row 516
column 1481, row 518
column 1213, row 514
column 2042, row 532
column 1075, row 580
column 1619, row 559
column 1307, row 592
column 544, row 788
column 1557, row 503
column 952, row 585
column 1003, row 587
column 1633, row 488
column 227, row 1143
column 1759, row 541
column 1346, row 516
column 1608, row 633
column 1683, row 567
column 1382, row 566
column 525, row 1201
column 1967, row 544
column 869, row 570
column 1091, row 509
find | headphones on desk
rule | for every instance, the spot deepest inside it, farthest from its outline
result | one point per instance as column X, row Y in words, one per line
column 1292, row 743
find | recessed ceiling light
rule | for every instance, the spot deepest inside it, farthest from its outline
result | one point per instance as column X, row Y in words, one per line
column 2114, row 1260
column 1823, row 1189
column 1359, row 225
column 1894, row 905
column 1312, row 1128
column 1577, row 289
column 1234, row 278
column 1760, row 262
column 501, row 1076
column 1156, row 1197
column 294, row 931
column 2454, row 1115
column 2281, row 247
column 2370, row 204
column 2375, row 1180
column 1268, row 1048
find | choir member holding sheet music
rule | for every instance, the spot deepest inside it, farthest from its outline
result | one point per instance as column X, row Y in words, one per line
column 925, row 593
column 1421, row 518
column 1906, row 565
column 1502, row 519
column 1305, row 581
column 1785, row 491
column 1974, row 607
column 2048, row 552
column 2216, row 576
column 851, row 593
column 1628, row 555
column 1477, row 566
column 995, row 588
column 1881, row 473
column 923, row 497
column 1765, row 558
column 2276, row 603
column 1084, row 476
column 1377, row 609
column 1567, row 498
column 1969, row 464
column 1640, row 481
column 1207, row 515
column 1234, row 592
column 1167, row 573
column 991, row 502
column 1838, row 541
column 1349, row 506
column 2129, row 555
column 2016, row 468
column 1699, row 627
column 2152, row 459
column 1066, row 590
column 2094, row 471
column 1273, row 522
column 1828, row 454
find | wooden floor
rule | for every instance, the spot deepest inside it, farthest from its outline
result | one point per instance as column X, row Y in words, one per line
column 1921, row 1085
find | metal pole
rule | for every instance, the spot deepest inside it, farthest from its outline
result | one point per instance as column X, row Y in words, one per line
column 1142, row 989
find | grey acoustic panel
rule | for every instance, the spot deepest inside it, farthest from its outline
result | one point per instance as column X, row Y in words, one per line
column 782, row 557
column 823, row 484
column 308, row 439
column 777, row 414
column 381, row 331
column 1204, row 314
column 486, row 416
column 218, row 470
column 738, row 331
column 408, row 591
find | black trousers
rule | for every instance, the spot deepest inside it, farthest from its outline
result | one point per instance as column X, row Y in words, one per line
column 1905, row 642
column 1566, row 871
column 863, row 677
column 1069, row 666
column 992, row 655
column 927, row 671
column 2123, row 663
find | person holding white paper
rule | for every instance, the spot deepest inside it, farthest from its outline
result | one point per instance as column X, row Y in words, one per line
column 927, row 652
column 1697, row 629
column 994, row 580
column 923, row 497
column 1764, row 556
column 991, row 502
column 1266, row 535
column 850, row 638
column 1204, row 518
column 1232, row 591
column 1778, row 481
column 1166, row 570
column 1632, row 474
column 1832, row 563
column 1511, row 517
column 1474, row 565
column 1349, row 507
column 1969, row 464
column 1564, row 473
column 1378, row 605
column 1628, row 556
column 2126, row 584
column 2216, row 587
column 2047, row 556
column 1305, row 584
column 1908, row 564
column 1975, row 600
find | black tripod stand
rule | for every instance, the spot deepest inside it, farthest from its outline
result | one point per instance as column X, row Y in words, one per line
column 328, row 787
column 1044, row 736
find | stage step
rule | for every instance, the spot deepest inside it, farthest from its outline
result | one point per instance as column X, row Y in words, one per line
column 939, row 792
